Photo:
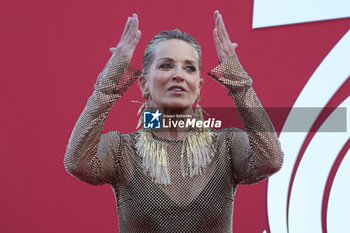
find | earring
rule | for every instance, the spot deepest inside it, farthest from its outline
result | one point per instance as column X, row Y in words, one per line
column 145, row 105
column 198, row 99
column 145, row 95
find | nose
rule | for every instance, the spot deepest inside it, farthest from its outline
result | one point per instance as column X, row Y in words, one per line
column 177, row 75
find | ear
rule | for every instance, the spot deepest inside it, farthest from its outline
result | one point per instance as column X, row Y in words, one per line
column 142, row 83
column 200, row 84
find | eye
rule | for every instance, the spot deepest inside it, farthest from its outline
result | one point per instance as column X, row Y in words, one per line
column 165, row 66
column 190, row 69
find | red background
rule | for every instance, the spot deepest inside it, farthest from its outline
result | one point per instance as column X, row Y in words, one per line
column 51, row 54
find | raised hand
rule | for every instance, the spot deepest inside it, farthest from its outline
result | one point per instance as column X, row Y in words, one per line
column 129, row 39
column 224, row 47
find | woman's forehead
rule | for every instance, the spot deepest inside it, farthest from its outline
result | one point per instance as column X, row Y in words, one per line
column 175, row 49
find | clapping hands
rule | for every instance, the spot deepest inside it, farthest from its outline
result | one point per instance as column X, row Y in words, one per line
column 131, row 37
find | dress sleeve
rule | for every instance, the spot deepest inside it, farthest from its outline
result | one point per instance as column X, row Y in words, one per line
column 256, row 152
column 91, row 156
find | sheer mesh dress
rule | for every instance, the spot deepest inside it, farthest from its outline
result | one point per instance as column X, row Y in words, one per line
column 202, row 203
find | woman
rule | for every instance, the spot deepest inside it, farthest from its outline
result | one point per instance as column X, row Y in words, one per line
column 173, row 180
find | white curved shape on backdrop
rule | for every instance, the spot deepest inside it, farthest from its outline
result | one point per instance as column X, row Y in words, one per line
column 323, row 84
column 305, row 206
column 268, row 13
column 339, row 203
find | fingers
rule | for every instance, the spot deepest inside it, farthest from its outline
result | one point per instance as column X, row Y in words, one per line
column 135, row 33
column 216, row 14
column 136, row 20
column 225, row 48
column 217, row 29
column 126, row 28
column 217, row 41
column 223, row 35
column 216, row 35
column 129, row 39
column 131, row 29
column 223, row 28
column 222, row 31
column 137, row 38
column 216, row 18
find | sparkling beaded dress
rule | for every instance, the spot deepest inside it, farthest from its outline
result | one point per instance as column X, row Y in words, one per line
column 201, row 203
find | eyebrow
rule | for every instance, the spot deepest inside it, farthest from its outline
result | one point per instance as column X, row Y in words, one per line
column 170, row 59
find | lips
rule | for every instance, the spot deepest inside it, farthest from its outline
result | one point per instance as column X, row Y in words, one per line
column 177, row 89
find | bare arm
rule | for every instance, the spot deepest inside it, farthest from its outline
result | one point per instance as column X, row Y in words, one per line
column 90, row 156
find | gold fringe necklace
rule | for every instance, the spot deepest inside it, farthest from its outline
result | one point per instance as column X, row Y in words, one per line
column 197, row 149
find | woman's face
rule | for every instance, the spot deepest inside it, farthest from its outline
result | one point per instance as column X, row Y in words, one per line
column 173, row 79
